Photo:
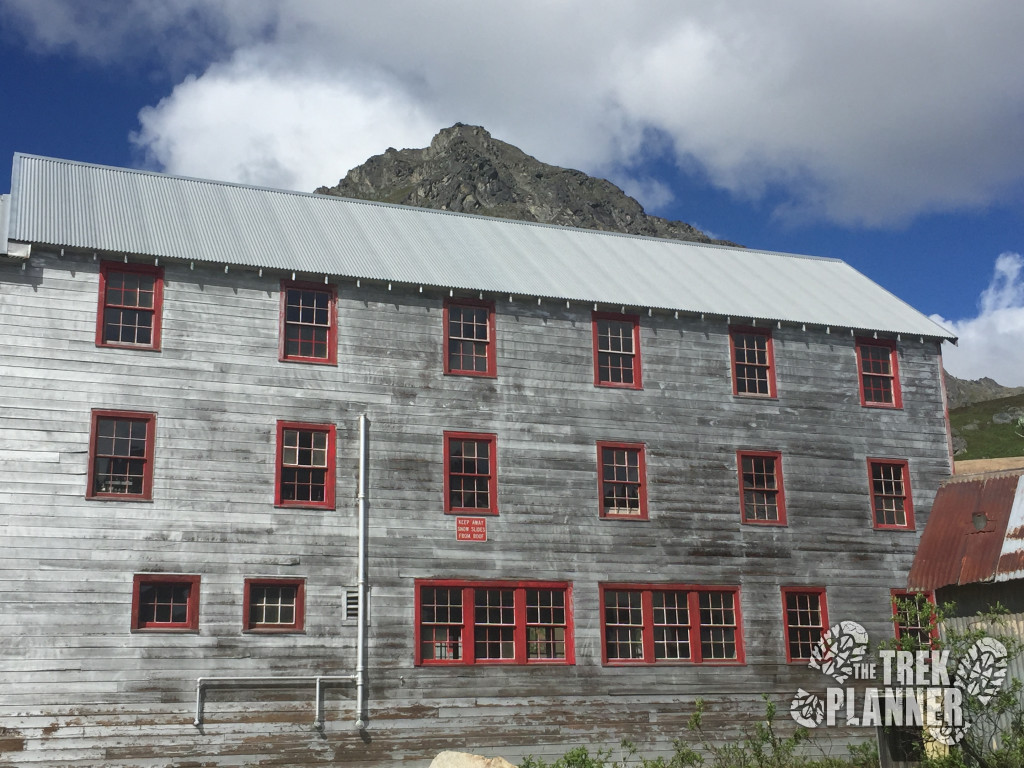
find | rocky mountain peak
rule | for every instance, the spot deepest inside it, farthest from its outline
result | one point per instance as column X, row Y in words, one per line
column 467, row 170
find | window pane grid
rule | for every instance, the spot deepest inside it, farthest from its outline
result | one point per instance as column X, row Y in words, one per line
column 441, row 623
column 751, row 364
column 666, row 625
column 616, row 351
column 623, row 625
column 469, row 474
column 877, row 375
column 671, row 625
column 717, row 625
column 495, row 624
column 304, row 465
column 129, row 308
column 760, row 488
column 163, row 603
column 468, row 339
column 889, row 494
column 546, row 624
column 804, row 623
column 621, row 481
column 915, row 617
column 307, row 325
column 272, row 605
column 120, row 456
column 504, row 624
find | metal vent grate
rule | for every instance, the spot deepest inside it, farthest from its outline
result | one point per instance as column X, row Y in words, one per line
column 351, row 605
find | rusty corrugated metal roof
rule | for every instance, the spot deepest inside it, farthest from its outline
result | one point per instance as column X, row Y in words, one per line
column 975, row 533
column 64, row 203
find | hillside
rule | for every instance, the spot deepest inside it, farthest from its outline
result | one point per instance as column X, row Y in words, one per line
column 465, row 169
column 988, row 429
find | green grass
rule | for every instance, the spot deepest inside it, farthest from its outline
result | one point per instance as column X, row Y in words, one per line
column 986, row 439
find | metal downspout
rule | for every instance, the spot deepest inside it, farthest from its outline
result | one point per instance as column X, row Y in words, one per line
column 361, row 583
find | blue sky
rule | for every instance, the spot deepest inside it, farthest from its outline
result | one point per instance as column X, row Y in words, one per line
column 890, row 135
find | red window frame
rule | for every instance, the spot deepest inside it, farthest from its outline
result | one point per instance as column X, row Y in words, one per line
column 488, row 344
column 885, row 492
column 645, row 636
column 739, row 336
column 108, row 301
column 801, row 633
column 872, row 376
column 603, row 372
column 519, row 632
column 900, row 628
column 307, row 324
column 749, row 507
column 140, row 621
column 454, row 479
column 96, row 442
column 251, row 609
column 621, row 479
column 282, row 482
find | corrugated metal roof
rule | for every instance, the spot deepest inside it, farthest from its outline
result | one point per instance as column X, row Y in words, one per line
column 81, row 205
column 4, row 206
column 975, row 533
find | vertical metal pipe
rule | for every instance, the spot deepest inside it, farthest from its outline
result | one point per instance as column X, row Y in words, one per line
column 361, row 582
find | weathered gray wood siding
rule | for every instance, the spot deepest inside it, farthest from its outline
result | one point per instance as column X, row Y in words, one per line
column 78, row 687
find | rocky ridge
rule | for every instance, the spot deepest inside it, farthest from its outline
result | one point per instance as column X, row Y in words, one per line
column 465, row 169
column 963, row 392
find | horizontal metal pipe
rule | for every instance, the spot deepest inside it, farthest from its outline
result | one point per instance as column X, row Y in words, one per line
column 267, row 680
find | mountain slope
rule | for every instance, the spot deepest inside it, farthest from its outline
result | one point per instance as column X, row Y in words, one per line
column 465, row 169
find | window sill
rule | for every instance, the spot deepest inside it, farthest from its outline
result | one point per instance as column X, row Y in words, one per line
column 472, row 374
column 308, row 361
column 137, row 348
column 164, row 631
column 143, row 499
column 273, row 631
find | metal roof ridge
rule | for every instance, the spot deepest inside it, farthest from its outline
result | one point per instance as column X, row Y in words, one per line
column 414, row 208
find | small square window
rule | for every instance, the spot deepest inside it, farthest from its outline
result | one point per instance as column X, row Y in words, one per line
column 493, row 623
column 305, row 465
column 806, row 620
column 670, row 624
column 891, row 503
column 165, row 602
column 470, row 473
column 309, row 323
column 762, row 499
column 753, row 362
column 622, row 481
column 617, row 350
column 274, row 605
column 130, row 306
column 121, row 455
column 879, row 373
column 469, row 348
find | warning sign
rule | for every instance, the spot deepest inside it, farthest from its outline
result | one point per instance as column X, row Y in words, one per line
column 471, row 529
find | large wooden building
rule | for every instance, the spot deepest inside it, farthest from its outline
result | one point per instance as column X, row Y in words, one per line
column 581, row 478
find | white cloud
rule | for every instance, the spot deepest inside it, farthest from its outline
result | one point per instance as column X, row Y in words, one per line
column 992, row 344
column 849, row 111
column 654, row 195
column 252, row 122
